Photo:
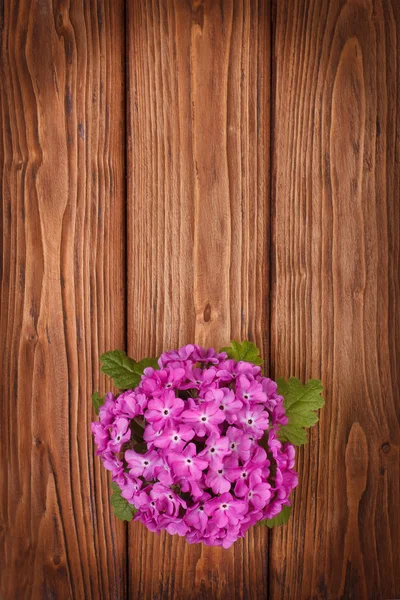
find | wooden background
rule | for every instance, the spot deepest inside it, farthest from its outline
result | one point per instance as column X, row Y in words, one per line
column 176, row 171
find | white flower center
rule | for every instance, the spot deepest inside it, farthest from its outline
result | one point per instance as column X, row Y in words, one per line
column 166, row 412
column 224, row 506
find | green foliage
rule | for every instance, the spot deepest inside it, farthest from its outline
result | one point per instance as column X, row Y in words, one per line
column 246, row 351
column 123, row 510
column 144, row 363
column 280, row 519
column 125, row 372
column 301, row 403
column 97, row 401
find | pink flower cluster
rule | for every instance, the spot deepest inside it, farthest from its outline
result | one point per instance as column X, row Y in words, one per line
column 184, row 446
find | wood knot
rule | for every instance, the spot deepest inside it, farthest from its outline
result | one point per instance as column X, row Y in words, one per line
column 207, row 313
column 385, row 447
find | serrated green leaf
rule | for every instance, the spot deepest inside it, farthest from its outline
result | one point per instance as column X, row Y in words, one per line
column 121, row 368
column 123, row 510
column 97, row 401
column 246, row 351
column 281, row 519
column 293, row 434
column 146, row 362
column 301, row 403
column 125, row 372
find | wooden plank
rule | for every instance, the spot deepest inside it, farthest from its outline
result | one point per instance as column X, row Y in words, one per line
column 198, row 180
column 62, row 292
column 335, row 290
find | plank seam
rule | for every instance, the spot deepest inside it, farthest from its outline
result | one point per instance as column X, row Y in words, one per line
column 270, row 242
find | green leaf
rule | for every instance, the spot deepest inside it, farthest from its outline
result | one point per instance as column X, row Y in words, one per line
column 120, row 368
column 301, row 403
column 246, row 351
column 125, row 372
column 281, row 519
column 146, row 362
column 97, row 401
column 123, row 510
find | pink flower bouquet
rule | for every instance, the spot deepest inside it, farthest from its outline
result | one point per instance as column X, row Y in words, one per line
column 200, row 443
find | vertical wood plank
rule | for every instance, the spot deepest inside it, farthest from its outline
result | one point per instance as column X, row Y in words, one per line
column 335, row 290
column 62, row 292
column 198, row 180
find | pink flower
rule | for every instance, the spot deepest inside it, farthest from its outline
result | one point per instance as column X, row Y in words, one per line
column 176, row 357
column 259, row 491
column 205, row 418
column 165, row 379
column 224, row 510
column 198, row 378
column 174, row 525
column 217, row 480
column 106, row 411
column 254, row 420
column 164, row 410
column 187, row 464
column 174, row 438
column 130, row 404
column 101, row 437
column 113, row 464
column 130, row 488
column 143, row 465
column 227, row 402
column 166, row 499
column 120, row 433
column 240, row 443
column 250, row 391
column 196, row 517
column 150, row 435
column 208, row 355
column 216, row 449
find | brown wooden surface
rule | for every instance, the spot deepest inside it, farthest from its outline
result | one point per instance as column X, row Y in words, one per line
column 62, row 293
column 261, row 147
column 335, row 309
column 198, row 213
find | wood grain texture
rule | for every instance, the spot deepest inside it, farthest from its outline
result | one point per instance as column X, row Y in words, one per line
column 62, row 292
column 192, row 249
column 336, row 296
column 198, row 209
